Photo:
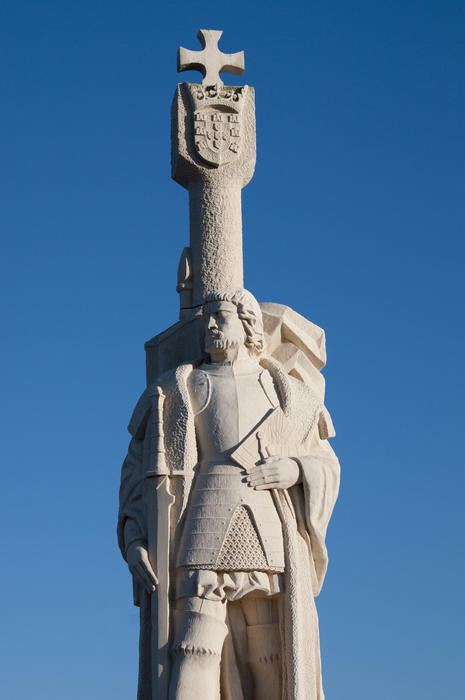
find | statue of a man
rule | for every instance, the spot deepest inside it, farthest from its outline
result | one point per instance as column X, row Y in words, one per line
column 255, row 481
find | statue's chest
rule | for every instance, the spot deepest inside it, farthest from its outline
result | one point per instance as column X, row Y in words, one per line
column 235, row 404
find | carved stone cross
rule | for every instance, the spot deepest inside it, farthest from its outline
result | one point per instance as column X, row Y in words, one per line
column 210, row 61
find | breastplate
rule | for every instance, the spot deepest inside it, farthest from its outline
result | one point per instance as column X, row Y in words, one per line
column 228, row 404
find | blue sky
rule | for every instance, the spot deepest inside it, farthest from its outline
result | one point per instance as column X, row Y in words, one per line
column 354, row 218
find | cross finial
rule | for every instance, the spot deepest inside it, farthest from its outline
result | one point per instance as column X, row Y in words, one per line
column 210, row 61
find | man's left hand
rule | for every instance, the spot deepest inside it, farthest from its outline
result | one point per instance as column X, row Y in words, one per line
column 274, row 473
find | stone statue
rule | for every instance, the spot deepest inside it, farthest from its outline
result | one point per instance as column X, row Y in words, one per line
column 229, row 482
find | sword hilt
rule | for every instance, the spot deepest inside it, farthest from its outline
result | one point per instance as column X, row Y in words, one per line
column 263, row 451
column 157, row 462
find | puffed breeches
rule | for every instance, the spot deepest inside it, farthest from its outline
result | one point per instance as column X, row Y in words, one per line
column 208, row 642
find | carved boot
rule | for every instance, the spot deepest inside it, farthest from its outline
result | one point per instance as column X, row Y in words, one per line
column 264, row 644
column 196, row 652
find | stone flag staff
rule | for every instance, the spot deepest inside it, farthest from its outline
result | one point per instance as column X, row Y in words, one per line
column 230, row 481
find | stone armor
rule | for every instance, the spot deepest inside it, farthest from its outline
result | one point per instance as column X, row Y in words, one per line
column 229, row 525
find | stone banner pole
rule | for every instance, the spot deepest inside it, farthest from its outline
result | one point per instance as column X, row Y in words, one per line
column 213, row 157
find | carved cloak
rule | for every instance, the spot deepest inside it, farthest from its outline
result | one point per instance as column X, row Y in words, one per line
column 305, row 514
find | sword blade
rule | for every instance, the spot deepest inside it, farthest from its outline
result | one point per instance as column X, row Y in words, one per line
column 159, row 505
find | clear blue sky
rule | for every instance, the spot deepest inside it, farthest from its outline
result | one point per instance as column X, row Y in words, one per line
column 355, row 218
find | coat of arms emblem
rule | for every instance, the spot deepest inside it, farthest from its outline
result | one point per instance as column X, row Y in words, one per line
column 217, row 135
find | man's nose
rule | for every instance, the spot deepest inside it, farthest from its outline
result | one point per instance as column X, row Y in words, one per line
column 211, row 322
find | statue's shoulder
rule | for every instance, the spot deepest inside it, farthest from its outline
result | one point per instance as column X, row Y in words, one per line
column 168, row 382
column 139, row 416
column 286, row 383
column 199, row 388
column 299, row 400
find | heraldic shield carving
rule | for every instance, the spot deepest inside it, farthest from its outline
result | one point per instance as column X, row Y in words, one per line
column 217, row 134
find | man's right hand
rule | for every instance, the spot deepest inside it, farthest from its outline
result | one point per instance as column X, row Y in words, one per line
column 140, row 567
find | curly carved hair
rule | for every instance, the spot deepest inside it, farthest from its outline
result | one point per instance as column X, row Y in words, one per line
column 248, row 310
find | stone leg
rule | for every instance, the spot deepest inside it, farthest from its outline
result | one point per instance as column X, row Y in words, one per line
column 264, row 645
column 200, row 631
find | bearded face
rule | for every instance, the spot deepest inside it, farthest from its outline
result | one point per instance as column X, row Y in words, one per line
column 223, row 327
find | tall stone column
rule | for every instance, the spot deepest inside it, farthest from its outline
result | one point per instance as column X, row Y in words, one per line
column 213, row 157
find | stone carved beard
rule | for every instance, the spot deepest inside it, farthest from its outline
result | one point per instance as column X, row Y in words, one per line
column 216, row 340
